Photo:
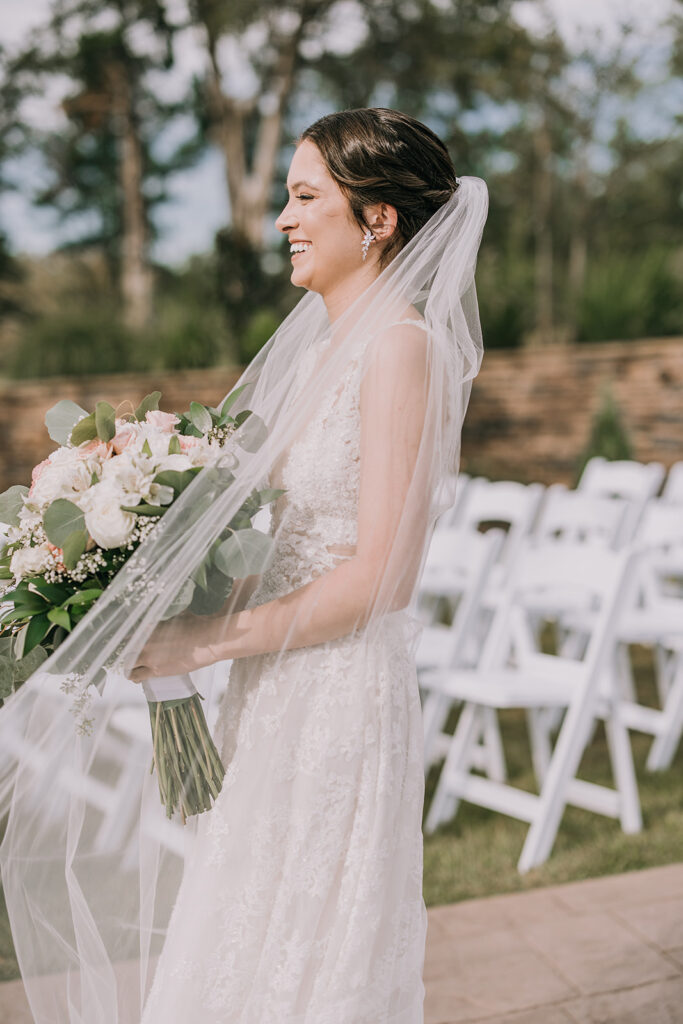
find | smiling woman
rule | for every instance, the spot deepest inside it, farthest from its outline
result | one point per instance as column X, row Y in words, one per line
column 298, row 896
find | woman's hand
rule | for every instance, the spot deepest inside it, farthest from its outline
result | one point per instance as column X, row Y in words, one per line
column 177, row 646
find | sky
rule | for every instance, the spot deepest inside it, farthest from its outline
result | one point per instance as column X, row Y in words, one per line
column 198, row 202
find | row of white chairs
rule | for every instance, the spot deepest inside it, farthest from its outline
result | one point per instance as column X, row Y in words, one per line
column 606, row 570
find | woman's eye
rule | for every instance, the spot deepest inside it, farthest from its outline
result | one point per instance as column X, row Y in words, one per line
column 304, row 197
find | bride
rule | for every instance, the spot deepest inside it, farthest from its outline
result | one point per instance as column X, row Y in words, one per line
column 300, row 897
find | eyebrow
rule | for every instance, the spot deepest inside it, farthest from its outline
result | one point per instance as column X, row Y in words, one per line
column 298, row 184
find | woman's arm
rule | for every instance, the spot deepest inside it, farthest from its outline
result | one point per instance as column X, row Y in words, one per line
column 392, row 506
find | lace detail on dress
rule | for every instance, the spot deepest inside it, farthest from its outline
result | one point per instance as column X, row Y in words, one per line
column 302, row 898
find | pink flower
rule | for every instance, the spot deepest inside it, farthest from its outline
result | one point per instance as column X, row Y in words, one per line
column 188, row 443
column 36, row 474
column 125, row 432
column 163, row 420
column 94, row 447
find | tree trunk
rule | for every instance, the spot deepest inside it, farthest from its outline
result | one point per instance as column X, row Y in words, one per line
column 250, row 188
column 578, row 247
column 543, row 234
column 136, row 277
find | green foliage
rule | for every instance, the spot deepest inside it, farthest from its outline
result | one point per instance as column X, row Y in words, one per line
column 631, row 296
column 608, row 437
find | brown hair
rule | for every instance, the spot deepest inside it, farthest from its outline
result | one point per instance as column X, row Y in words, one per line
column 378, row 155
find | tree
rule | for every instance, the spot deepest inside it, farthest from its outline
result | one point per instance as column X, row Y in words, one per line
column 104, row 166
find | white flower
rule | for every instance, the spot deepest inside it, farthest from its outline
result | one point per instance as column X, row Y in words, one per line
column 106, row 522
column 30, row 561
column 64, row 478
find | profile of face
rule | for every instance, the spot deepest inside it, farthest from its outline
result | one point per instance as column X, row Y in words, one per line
column 319, row 222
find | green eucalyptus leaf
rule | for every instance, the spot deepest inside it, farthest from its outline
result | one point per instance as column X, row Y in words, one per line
column 55, row 593
column 6, row 677
column 174, row 445
column 245, row 552
column 61, row 519
column 62, row 418
column 26, row 666
column 145, row 510
column 232, row 398
column 176, row 478
column 105, row 421
column 181, row 601
column 73, row 547
column 252, row 431
column 200, row 417
column 11, row 504
column 148, row 404
column 85, row 430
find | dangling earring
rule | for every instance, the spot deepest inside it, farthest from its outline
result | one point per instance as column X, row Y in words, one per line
column 365, row 244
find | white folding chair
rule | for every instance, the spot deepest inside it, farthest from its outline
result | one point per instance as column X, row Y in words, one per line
column 672, row 492
column 575, row 516
column 519, row 676
column 507, row 504
column 637, row 482
column 457, row 567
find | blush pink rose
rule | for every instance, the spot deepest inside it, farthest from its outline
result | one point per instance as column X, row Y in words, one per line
column 188, row 443
column 94, row 447
column 36, row 474
column 162, row 420
column 125, row 432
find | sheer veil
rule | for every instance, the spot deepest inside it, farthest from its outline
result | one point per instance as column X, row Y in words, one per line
column 91, row 866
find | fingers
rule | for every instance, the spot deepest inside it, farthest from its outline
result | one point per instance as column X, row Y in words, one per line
column 140, row 673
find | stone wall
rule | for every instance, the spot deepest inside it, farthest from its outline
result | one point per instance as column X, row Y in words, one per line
column 529, row 416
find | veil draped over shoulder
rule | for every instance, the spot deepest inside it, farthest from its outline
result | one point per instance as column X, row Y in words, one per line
column 91, row 865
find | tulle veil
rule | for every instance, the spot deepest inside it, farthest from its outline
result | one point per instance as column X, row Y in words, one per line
column 90, row 864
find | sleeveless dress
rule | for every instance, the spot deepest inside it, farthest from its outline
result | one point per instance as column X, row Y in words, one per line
column 301, row 902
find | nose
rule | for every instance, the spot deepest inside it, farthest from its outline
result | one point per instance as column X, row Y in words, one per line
column 286, row 221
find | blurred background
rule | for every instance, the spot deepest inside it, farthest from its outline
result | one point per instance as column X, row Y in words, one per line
column 144, row 147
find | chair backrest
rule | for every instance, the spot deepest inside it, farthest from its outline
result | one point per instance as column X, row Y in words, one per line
column 673, row 488
column 578, row 516
column 458, row 565
column 621, row 478
column 506, row 504
column 661, row 525
column 587, row 573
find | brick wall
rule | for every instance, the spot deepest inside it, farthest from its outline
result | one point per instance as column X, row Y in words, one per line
column 530, row 411
column 529, row 415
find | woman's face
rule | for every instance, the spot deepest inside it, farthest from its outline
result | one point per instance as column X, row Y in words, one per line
column 318, row 214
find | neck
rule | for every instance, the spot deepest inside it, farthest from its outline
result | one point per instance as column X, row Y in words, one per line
column 345, row 292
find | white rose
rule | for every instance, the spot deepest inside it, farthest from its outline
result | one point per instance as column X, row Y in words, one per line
column 30, row 561
column 62, row 480
column 127, row 474
column 106, row 522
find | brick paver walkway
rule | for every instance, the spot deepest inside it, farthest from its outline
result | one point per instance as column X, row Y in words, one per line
column 604, row 951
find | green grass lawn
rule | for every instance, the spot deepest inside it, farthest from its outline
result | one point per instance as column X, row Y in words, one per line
column 476, row 854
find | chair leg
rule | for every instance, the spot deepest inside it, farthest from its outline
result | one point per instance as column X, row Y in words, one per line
column 496, row 768
column 539, row 726
column 664, row 746
column 623, row 771
column 434, row 715
column 576, row 727
column 444, row 803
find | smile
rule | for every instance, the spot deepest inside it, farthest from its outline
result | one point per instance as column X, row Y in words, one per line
column 297, row 248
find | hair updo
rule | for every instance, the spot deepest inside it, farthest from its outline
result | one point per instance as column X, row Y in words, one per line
column 378, row 155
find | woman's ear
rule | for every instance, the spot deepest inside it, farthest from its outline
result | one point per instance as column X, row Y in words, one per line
column 382, row 219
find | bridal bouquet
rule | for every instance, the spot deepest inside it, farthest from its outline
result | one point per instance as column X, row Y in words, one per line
column 91, row 503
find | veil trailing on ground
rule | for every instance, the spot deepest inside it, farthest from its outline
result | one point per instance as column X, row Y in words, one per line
column 91, row 865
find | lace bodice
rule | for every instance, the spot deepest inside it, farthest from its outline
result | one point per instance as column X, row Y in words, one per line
column 316, row 520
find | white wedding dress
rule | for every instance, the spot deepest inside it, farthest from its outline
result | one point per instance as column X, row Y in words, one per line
column 301, row 902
